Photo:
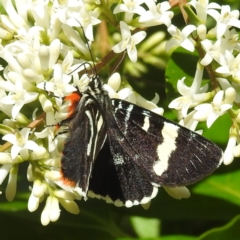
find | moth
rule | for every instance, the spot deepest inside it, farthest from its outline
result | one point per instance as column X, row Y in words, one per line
column 123, row 153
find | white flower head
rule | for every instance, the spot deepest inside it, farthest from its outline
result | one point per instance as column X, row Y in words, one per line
column 157, row 14
column 150, row 105
column 225, row 20
column 214, row 50
column 189, row 122
column 129, row 41
column 130, row 7
column 79, row 15
column 211, row 111
column 191, row 96
column 18, row 97
column 20, row 143
column 231, row 66
column 60, row 83
column 113, row 85
column 181, row 38
column 202, row 8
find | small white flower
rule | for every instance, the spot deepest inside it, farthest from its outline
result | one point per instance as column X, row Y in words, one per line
column 230, row 41
column 202, row 8
column 225, row 20
column 20, row 142
column 214, row 50
column 231, row 67
column 113, row 85
column 18, row 98
column 59, row 85
column 211, row 111
column 150, row 105
column 127, row 94
column 81, row 81
column 191, row 96
column 189, row 122
column 157, row 14
column 72, row 16
column 180, row 38
column 129, row 41
column 130, row 6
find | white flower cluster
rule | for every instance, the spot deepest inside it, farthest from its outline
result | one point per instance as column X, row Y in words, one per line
column 42, row 44
column 219, row 49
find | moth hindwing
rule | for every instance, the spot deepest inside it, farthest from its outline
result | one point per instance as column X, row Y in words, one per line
column 122, row 153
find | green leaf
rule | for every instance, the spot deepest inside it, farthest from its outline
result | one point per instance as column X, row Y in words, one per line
column 229, row 231
column 178, row 237
column 224, row 123
column 146, row 227
column 13, row 206
column 225, row 186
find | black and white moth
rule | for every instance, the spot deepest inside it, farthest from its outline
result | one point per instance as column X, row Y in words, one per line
column 122, row 153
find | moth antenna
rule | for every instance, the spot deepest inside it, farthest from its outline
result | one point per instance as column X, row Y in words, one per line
column 118, row 62
column 94, row 66
column 83, row 64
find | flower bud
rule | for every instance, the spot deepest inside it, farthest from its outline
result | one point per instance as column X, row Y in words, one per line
column 230, row 95
column 54, row 210
column 45, row 213
column 228, row 154
column 202, row 31
column 38, row 188
column 33, row 203
column 236, row 151
column 43, row 54
column 70, row 206
column 52, row 175
column 64, row 195
column 12, row 183
column 46, row 104
column 39, row 154
column 178, row 192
